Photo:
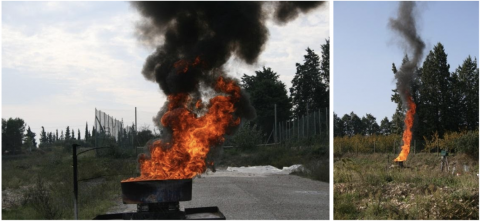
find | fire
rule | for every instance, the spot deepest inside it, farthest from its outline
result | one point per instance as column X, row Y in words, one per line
column 183, row 65
column 192, row 136
column 407, row 133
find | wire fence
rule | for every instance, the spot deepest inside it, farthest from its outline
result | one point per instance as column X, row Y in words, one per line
column 309, row 125
column 110, row 130
column 109, row 125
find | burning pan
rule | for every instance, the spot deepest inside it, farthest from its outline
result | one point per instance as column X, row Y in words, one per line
column 156, row 191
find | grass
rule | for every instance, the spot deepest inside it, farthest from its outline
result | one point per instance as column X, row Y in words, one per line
column 39, row 185
column 370, row 186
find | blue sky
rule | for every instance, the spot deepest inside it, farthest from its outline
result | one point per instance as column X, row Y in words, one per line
column 365, row 48
column 61, row 60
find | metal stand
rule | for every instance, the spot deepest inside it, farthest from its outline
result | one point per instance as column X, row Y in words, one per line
column 75, row 183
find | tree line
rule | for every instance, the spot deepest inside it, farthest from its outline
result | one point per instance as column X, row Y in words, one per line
column 446, row 102
column 17, row 137
column 309, row 91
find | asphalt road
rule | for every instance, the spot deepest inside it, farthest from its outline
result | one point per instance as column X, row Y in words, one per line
column 258, row 196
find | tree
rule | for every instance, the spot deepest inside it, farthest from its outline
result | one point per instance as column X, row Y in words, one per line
column 266, row 90
column 325, row 64
column 50, row 137
column 356, row 124
column 144, row 135
column 30, row 139
column 399, row 115
column 67, row 133
column 4, row 135
column 73, row 134
column 78, row 134
column 87, row 135
column 56, row 136
column 94, row 132
column 370, row 126
column 435, row 94
column 339, row 126
column 465, row 86
column 308, row 86
column 347, row 127
column 12, row 135
column 61, row 136
column 352, row 124
column 43, row 136
column 385, row 126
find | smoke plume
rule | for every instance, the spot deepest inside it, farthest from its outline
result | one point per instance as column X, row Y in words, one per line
column 198, row 38
column 286, row 11
column 406, row 26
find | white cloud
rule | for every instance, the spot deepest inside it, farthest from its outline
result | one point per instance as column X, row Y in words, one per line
column 100, row 59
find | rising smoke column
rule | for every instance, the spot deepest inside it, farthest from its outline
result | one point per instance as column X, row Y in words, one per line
column 197, row 39
column 405, row 25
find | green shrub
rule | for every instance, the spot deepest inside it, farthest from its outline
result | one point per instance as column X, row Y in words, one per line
column 247, row 137
column 40, row 198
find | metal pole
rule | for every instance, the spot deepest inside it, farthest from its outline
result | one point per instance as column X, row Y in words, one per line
column 298, row 128
column 96, row 129
column 281, row 131
column 326, row 121
column 303, row 126
column 275, row 128
column 320, row 122
column 135, row 135
column 307, row 121
column 75, row 183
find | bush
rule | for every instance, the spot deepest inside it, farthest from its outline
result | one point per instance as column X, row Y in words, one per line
column 247, row 137
column 40, row 198
column 468, row 143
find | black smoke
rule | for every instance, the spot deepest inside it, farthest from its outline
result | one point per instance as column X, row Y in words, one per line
column 211, row 31
column 286, row 11
column 406, row 26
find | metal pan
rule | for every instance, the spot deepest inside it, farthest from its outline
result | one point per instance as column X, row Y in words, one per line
column 156, row 191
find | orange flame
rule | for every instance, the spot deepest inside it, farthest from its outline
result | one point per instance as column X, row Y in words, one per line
column 407, row 133
column 183, row 65
column 192, row 136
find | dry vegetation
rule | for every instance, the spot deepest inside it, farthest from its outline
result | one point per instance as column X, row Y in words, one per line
column 39, row 185
column 370, row 186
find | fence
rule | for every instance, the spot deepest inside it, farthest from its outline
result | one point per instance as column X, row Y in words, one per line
column 108, row 125
column 309, row 125
column 108, row 128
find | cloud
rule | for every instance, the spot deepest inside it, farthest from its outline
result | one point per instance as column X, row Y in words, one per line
column 100, row 55
column 287, row 43
column 86, row 55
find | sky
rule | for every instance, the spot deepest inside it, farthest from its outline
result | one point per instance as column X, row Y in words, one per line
column 365, row 48
column 61, row 60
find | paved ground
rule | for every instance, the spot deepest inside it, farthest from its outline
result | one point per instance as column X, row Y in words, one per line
column 258, row 196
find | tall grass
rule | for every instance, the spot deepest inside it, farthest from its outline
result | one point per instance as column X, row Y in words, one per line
column 462, row 142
